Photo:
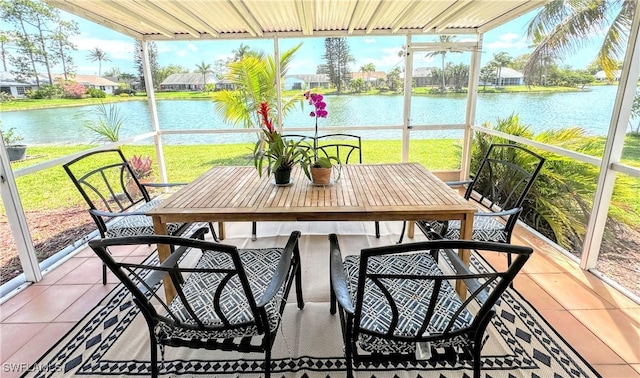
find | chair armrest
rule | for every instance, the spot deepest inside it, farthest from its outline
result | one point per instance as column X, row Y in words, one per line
column 162, row 185
column 472, row 283
column 101, row 213
column 458, row 183
column 499, row 213
column 338, row 278
column 282, row 271
column 158, row 275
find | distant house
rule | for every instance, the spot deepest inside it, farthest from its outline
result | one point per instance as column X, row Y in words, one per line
column 421, row 76
column 186, row 82
column 601, row 76
column 509, row 76
column 372, row 78
column 224, row 84
column 91, row 81
column 292, row 83
column 11, row 85
column 312, row 81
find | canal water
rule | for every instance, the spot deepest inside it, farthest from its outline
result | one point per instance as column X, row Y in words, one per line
column 590, row 110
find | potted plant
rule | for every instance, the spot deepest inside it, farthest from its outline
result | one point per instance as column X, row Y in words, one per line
column 14, row 151
column 318, row 165
column 281, row 154
column 142, row 169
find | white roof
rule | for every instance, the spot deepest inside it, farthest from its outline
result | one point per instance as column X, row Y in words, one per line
column 506, row 72
column 212, row 19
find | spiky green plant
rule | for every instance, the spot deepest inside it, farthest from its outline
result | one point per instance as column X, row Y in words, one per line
column 108, row 124
column 561, row 199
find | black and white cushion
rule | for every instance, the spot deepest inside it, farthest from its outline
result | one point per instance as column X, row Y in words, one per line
column 200, row 288
column 138, row 225
column 485, row 228
column 412, row 298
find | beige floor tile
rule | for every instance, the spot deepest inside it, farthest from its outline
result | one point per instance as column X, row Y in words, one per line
column 534, row 294
column 581, row 338
column 617, row 330
column 49, row 304
column 616, row 371
column 636, row 367
column 569, row 292
column 77, row 310
column 14, row 336
column 15, row 303
column 61, row 271
column 37, row 346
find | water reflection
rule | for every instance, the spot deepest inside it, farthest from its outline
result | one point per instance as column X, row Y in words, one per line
column 590, row 110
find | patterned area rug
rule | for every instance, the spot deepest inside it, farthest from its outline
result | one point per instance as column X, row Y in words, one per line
column 112, row 340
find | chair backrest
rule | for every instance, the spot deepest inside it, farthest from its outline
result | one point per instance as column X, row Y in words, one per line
column 107, row 182
column 202, row 273
column 346, row 147
column 413, row 299
column 505, row 176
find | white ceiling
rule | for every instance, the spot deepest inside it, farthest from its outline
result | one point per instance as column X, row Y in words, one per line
column 226, row 19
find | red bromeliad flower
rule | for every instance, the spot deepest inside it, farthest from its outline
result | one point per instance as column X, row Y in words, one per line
column 264, row 114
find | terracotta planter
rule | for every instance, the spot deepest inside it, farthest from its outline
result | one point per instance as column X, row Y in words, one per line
column 282, row 176
column 321, row 176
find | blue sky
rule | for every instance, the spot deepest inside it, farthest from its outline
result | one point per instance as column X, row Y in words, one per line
column 381, row 51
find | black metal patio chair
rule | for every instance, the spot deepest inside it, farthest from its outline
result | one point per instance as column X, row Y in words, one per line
column 396, row 303
column 227, row 298
column 501, row 184
column 117, row 200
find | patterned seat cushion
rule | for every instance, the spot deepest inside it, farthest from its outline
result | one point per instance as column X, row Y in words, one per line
column 199, row 290
column 484, row 229
column 138, row 225
column 412, row 298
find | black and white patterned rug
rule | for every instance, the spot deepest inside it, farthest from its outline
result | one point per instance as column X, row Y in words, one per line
column 112, row 340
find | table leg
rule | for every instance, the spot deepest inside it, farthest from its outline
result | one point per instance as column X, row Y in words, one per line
column 411, row 230
column 221, row 231
column 466, row 233
column 163, row 252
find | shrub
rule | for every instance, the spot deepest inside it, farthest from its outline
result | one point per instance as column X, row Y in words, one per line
column 5, row 97
column 127, row 91
column 45, row 91
column 97, row 93
column 560, row 201
column 73, row 90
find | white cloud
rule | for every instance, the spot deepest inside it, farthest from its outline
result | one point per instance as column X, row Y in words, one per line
column 114, row 49
column 181, row 53
column 369, row 40
column 508, row 41
column 192, row 47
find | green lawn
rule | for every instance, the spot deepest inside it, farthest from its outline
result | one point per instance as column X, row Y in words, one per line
column 51, row 188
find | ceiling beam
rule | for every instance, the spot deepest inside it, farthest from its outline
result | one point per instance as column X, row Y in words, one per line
column 397, row 23
column 512, row 14
column 162, row 12
column 377, row 14
column 94, row 17
column 123, row 7
column 245, row 15
column 355, row 16
column 453, row 9
column 305, row 16
column 205, row 26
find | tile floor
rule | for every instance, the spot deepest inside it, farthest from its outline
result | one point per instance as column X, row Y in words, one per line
column 599, row 322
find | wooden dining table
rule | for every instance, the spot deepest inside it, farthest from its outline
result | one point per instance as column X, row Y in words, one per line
column 364, row 192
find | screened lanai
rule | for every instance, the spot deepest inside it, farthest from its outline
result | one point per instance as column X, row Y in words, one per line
column 418, row 23
column 415, row 21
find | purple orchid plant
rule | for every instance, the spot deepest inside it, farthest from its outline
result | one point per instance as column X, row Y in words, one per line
column 320, row 111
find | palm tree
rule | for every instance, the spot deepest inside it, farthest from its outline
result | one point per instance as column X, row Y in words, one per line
column 561, row 27
column 368, row 69
column 443, row 53
column 97, row 54
column 500, row 59
column 254, row 80
column 204, row 69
